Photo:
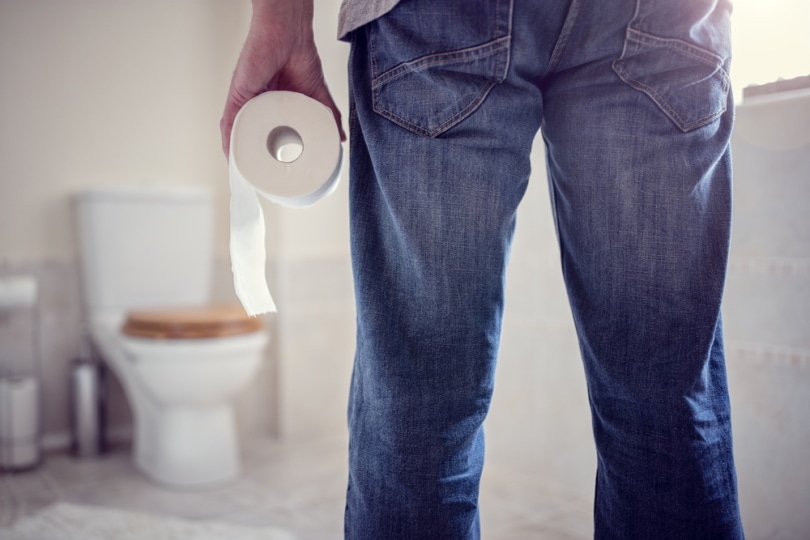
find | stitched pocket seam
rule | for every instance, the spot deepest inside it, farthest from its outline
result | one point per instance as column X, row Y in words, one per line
column 460, row 115
column 682, row 47
column 699, row 53
column 445, row 58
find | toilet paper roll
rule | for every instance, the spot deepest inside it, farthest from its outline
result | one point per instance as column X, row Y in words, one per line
column 20, row 406
column 17, row 292
column 285, row 147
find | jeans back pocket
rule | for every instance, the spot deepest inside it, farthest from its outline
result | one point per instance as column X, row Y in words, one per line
column 687, row 82
column 433, row 64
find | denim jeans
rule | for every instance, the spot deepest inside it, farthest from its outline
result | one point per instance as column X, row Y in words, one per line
column 633, row 100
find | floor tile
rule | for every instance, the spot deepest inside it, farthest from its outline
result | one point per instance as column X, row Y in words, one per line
column 135, row 492
column 576, row 524
column 26, row 484
column 22, row 494
column 298, row 486
column 531, row 531
column 67, row 471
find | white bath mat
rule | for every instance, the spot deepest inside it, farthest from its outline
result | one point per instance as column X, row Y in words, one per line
column 64, row 521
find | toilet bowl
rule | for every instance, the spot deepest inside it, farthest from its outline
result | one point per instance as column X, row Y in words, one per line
column 145, row 251
column 180, row 384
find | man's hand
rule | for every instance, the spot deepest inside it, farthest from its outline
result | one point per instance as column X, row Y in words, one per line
column 279, row 54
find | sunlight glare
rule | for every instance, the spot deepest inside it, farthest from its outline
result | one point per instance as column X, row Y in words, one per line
column 770, row 40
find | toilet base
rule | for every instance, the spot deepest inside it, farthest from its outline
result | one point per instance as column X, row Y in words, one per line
column 188, row 447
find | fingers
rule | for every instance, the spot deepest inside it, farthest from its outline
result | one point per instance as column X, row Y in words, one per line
column 234, row 102
column 277, row 56
column 226, row 124
column 262, row 58
column 305, row 75
column 322, row 94
column 251, row 78
column 236, row 99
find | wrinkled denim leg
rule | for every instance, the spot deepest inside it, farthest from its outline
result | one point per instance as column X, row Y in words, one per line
column 446, row 100
column 432, row 220
column 640, row 172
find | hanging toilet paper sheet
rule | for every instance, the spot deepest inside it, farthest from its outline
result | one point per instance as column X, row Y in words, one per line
column 285, row 147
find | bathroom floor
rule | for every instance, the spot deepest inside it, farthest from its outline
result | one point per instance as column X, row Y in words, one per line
column 296, row 486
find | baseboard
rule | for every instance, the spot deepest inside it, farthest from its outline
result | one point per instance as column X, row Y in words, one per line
column 61, row 441
column 54, row 442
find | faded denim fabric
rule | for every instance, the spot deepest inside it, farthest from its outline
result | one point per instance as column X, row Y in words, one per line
column 633, row 100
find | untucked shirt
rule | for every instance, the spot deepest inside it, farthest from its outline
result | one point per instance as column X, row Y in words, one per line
column 356, row 13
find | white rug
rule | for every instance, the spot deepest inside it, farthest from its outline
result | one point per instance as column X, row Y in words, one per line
column 63, row 521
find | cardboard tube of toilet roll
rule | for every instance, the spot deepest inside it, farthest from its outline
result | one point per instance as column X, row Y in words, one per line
column 285, row 147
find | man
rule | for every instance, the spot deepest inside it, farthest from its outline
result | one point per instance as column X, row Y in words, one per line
column 446, row 98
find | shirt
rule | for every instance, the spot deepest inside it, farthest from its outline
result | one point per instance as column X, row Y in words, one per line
column 355, row 13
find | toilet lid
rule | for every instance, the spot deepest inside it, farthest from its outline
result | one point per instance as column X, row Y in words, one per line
column 191, row 323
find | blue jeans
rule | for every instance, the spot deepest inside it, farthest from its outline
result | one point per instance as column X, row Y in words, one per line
column 633, row 100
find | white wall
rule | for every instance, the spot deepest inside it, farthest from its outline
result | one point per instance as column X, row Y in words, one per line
column 767, row 313
column 111, row 93
column 96, row 92
column 539, row 427
column 104, row 93
column 314, row 293
column 322, row 231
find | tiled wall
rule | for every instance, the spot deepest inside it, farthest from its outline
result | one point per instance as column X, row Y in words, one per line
column 60, row 319
column 767, row 317
column 316, row 333
column 539, row 423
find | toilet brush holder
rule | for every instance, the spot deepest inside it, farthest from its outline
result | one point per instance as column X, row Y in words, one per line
column 87, row 408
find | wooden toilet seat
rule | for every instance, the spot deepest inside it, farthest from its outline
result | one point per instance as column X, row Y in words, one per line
column 191, row 323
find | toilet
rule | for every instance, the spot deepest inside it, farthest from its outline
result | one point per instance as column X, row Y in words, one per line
column 146, row 255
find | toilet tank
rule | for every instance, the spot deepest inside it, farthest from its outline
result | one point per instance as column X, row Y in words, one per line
column 145, row 246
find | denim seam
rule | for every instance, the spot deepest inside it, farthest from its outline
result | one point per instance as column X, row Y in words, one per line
column 503, row 31
column 438, row 59
column 498, row 17
column 562, row 41
column 475, row 102
column 638, row 38
column 661, row 101
column 638, row 16
column 504, row 69
column 501, row 62
column 496, row 47
column 554, row 203
column 372, row 52
column 699, row 53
